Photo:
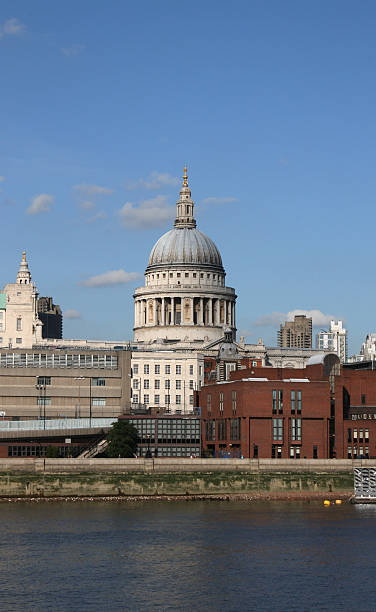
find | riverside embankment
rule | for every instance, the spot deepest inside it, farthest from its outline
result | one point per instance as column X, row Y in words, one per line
column 248, row 478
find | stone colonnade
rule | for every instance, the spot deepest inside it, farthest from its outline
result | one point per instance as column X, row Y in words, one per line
column 164, row 311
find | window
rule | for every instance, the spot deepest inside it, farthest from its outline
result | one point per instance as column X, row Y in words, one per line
column 361, row 436
column 135, row 398
column 167, row 400
column 178, row 399
column 355, row 435
column 44, row 380
column 98, row 401
column 135, row 383
column 315, row 455
column 157, row 384
column 191, row 370
column 157, row 368
column 146, row 383
column 99, row 382
column 167, row 369
column 221, row 403
column 186, row 274
column 135, row 368
column 299, row 402
column 349, row 452
column 210, row 429
column 280, row 402
column 146, row 398
column 146, row 368
column 167, row 383
column 221, row 429
column 254, row 364
column 18, row 340
column 235, row 429
column 43, row 400
column 274, row 401
column 349, row 435
column 191, row 400
column 276, row 452
column 234, row 402
column 296, row 429
column 178, row 384
column 277, row 429
column 292, row 402
column 208, row 402
column 19, row 323
column 191, row 384
column 363, row 397
column 178, row 369
column 366, row 435
column 156, row 399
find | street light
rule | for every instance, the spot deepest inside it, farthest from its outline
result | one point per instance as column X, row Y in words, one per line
column 42, row 398
column 79, row 378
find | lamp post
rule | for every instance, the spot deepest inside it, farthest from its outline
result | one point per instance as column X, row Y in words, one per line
column 79, row 378
column 41, row 387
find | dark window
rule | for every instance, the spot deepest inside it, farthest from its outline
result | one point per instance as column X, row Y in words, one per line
column 363, row 399
column 235, row 429
column 210, row 429
column 99, row 382
column 349, row 435
column 274, row 401
column 280, row 402
column 44, row 380
column 315, row 452
column 292, row 402
column 255, row 451
column 277, row 429
column 221, row 429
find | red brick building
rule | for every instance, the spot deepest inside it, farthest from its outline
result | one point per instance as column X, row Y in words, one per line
column 321, row 411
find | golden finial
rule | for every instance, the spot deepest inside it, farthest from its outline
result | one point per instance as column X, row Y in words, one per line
column 185, row 177
column 24, row 256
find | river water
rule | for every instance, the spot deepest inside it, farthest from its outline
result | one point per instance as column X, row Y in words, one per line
column 187, row 556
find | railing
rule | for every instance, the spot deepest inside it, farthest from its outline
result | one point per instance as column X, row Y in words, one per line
column 56, row 424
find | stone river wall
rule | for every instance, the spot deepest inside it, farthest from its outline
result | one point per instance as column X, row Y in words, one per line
column 250, row 478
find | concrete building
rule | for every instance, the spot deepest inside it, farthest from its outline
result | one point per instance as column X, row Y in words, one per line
column 368, row 350
column 184, row 299
column 296, row 333
column 51, row 316
column 335, row 340
column 58, row 383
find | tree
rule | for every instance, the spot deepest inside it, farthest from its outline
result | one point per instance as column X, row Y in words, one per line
column 122, row 439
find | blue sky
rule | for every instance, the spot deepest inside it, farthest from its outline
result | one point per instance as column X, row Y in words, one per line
column 270, row 104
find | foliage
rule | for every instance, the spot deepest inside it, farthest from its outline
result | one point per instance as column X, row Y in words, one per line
column 122, row 439
column 52, row 452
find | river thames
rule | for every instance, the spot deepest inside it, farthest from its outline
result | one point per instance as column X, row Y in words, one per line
column 187, row 556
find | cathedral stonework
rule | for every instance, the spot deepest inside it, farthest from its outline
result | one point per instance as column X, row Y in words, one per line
column 184, row 298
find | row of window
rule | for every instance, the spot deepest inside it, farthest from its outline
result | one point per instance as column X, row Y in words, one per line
column 41, row 451
column 186, row 275
column 295, row 429
column 171, row 451
column 44, row 400
column 43, row 381
column 357, row 436
column 157, row 369
column 220, row 424
column 354, row 452
column 157, row 399
column 57, row 360
column 157, row 383
column 364, row 417
column 295, row 401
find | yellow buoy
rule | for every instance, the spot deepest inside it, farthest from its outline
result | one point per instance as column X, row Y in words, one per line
column 338, row 501
column 326, row 502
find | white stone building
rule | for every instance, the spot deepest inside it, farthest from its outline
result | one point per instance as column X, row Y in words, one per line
column 19, row 323
column 368, row 350
column 184, row 299
column 334, row 340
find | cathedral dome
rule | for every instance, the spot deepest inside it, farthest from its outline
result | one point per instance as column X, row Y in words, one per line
column 185, row 246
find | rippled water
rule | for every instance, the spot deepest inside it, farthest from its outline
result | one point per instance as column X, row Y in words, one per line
column 186, row 556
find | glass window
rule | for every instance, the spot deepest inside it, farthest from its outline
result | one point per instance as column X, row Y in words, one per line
column 191, row 370
column 135, row 368
column 280, row 401
column 135, row 398
column 296, row 429
column 98, row 401
column 178, row 399
column 274, row 401
column 208, row 402
column 191, row 384
column 277, row 429
column 44, row 380
column 167, row 369
column 191, row 400
column 135, row 383
column 299, row 406
column 167, row 383
column 157, row 368
column 292, row 402
column 18, row 340
column 167, row 400
column 178, row 369
column 156, row 399
column 146, row 398
column 234, row 402
column 19, row 323
column 43, row 400
column 221, row 402
column 99, row 382
column 146, row 368
column 157, row 383
column 146, row 383
column 178, row 384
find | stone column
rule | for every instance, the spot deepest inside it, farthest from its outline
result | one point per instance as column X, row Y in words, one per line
column 172, row 311
column 201, row 311
column 192, row 310
column 136, row 313
column 163, row 312
column 210, row 311
column 155, row 311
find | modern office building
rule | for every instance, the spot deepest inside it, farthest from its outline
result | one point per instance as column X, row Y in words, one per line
column 334, row 340
column 51, row 316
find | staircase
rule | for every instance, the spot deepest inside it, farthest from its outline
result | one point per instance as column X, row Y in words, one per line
column 94, row 450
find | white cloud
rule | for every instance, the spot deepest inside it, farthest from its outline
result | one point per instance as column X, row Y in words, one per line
column 71, row 313
column 100, row 215
column 92, row 190
column 214, row 200
column 87, row 205
column 149, row 213
column 319, row 319
column 12, row 27
column 40, row 204
column 73, row 50
column 155, row 180
column 112, row 278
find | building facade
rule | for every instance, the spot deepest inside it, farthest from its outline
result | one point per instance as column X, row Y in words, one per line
column 51, row 316
column 296, row 333
column 185, row 299
column 58, row 383
column 335, row 340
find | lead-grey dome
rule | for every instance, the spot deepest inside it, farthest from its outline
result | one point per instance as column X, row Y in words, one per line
column 186, row 247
